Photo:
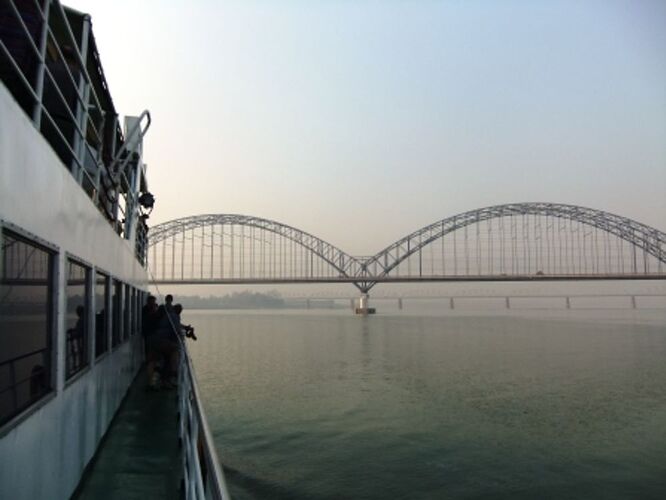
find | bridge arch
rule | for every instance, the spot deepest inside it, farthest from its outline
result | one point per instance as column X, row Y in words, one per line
column 641, row 236
column 343, row 263
column 518, row 241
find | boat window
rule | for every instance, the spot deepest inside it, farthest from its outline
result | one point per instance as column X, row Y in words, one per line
column 25, row 323
column 101, row 320
column 117, row 312
column 76, row 318
column 128, row 313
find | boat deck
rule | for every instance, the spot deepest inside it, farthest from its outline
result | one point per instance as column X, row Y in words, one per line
column 139, row 457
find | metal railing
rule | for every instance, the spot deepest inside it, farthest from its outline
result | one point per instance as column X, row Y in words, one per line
column 57, row 78
column 38, row 379
column 76, row 355
column 202, row 474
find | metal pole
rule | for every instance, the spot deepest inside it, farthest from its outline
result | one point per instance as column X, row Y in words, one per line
column 222, row 251
column 83, row 89
column 39, row 80
column 182, row 256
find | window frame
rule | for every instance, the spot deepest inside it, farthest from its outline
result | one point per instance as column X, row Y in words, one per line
column 53, row 252
column 89, row 283
column 107, row 331
column 116, row 316
column 127, row 312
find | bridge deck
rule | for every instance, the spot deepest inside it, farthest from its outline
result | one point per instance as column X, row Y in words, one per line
column 412, row 279
column 139, row 457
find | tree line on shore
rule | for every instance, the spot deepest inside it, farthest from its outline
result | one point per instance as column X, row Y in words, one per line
column 235, row 300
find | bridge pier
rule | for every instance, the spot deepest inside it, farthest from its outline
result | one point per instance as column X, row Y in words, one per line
column 363, row 305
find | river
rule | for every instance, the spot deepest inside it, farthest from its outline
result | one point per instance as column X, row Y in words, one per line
column 435, row 404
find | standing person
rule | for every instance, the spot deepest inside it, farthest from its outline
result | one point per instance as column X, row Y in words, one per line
column 162, row 344
column 168, row 303
column 183, row 330
column 160, row 347
column 149, row 320
column 162, row 311
column 167, row 339
column 149, row 316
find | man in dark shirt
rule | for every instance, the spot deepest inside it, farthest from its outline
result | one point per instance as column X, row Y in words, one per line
column 149, row 319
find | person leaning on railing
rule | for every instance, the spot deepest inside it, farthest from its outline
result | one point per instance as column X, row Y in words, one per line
column 161, row 344
column 165, row 343
column 183, row 330
column 149, row 319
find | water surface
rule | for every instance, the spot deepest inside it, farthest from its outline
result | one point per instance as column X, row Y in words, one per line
column 543, row 404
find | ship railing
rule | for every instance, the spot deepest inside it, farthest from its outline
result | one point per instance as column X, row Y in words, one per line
column 83, row 94
column 141, row 247
column 125, row 174
column 48, row 74
column 202, row 474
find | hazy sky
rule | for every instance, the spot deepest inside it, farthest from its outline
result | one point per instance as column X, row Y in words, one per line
column 362, row 121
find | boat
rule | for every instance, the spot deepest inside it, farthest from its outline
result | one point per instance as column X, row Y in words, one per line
column 74, row 208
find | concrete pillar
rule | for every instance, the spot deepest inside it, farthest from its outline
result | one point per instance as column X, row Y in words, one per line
column 452, row 304
column 364, row 305
column 400, row 303
column 568, row 302
column 633, row 302
column 508, row 304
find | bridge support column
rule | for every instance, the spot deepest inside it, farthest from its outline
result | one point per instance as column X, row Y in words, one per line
column 363, row 305
column 508, row 303
column 452, row 304
column 400, row 303
column 568, row 302
column 633, row 302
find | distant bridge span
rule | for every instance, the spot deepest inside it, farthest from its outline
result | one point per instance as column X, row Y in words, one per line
column 512, row 242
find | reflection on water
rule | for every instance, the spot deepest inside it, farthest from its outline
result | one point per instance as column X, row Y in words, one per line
column 564, row 404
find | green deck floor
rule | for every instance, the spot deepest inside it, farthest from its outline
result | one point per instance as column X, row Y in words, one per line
column 139, row 457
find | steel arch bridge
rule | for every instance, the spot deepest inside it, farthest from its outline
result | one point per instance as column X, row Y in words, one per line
column 512, row 242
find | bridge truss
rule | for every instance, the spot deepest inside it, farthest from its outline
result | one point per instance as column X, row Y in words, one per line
column 513, row 242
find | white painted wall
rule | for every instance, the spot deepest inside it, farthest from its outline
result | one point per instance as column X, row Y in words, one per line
column 43, row 455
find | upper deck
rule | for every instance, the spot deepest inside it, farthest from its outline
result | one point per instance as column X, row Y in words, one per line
column 50, row 64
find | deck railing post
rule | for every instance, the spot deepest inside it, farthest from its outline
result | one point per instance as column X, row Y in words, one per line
column 82, row 87
column 39, row 80
column 196, row 441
